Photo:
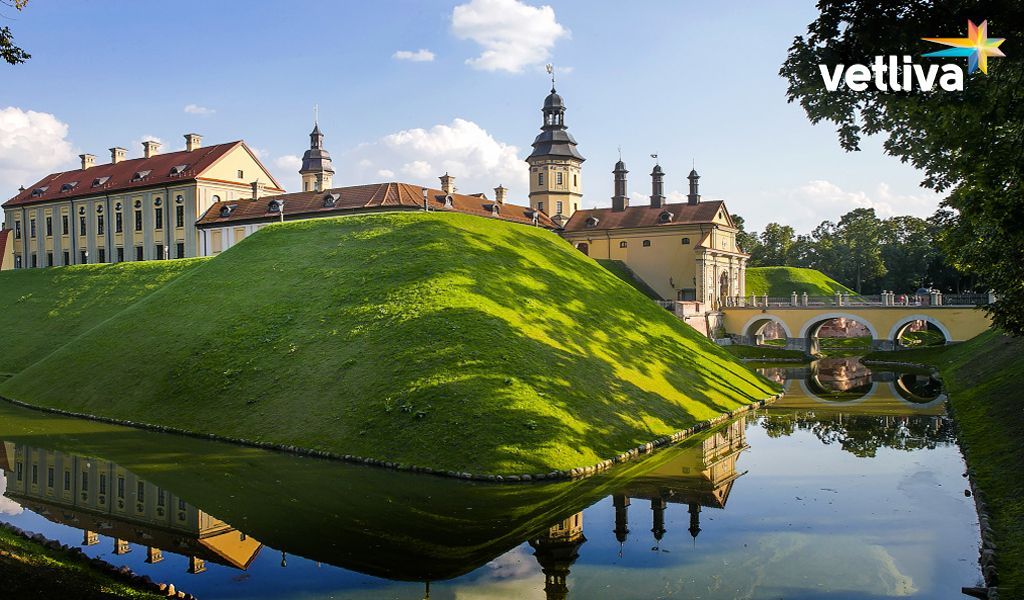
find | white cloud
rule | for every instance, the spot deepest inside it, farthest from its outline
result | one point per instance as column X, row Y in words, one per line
column 807, row 205
column 513, row 35
column 286, row 171
column 7, row 506
column 421, row 55
column 462, row 148
column 32, row 145
column 195, row 109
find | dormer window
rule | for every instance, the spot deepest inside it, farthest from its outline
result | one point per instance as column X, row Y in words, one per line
column 100, row 181
column 448, row 202
column 495, row 210
column 274, row 206
column 39, row 191
column 225, row 211
column 330, row 200
column 67, row 187
column 140, row 175
column 592, row 221
column 665, row 217
column 178, row 169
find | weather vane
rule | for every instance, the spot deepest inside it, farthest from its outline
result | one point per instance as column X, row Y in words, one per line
column 620, row 153
column 551, row 71
column 316, row 113
column 655, row 157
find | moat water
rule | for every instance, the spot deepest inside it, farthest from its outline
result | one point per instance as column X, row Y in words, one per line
column 851, row 487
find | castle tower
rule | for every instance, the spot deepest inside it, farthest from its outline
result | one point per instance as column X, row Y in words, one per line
column 556, row 551
column 556, row 187
column 317, row 171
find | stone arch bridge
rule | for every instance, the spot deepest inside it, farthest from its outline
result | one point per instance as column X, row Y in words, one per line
column 886, row 323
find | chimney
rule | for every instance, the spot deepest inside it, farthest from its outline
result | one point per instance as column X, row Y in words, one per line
column 447, row 184
column 88, row 161
column 117, row 154
column 620, row 201
column 693, row 197
column 193, row 141
column 499, row 194
column 258, row 189
column 657, row 187
column 150, row 148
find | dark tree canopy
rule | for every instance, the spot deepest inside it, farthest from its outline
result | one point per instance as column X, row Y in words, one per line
column 8, row 51
column 969, row 144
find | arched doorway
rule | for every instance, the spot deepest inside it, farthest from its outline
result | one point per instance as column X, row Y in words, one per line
column 583, row 247
column 723, row 288
column 766, row 330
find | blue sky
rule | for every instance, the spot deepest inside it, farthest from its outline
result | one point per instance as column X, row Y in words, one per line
column 687, row 80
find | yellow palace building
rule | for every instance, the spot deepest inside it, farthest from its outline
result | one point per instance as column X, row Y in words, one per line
column 202, row 200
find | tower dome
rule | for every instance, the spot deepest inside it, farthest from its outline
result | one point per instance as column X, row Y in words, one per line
column 317, row 170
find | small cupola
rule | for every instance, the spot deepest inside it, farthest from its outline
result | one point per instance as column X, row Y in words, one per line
column 88, row 161
column 694, row 196
column 447, row 184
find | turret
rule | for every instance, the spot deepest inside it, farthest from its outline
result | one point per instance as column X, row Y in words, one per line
column 694, row 196
column 657, row 187
column 620, row 201
column 317, row 170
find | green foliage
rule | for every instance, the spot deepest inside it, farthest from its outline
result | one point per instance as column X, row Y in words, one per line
column 9, row 52
column 43, row 309
column 783, row 281
column 967, row 143
column 982, row 378
column 620, row 270
column 318, row 321
column 767, row 352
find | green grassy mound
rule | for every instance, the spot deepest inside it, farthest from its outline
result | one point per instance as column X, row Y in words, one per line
column 43, row 309
column 442, row 340
column 783, row 281
column 767, row 352
column 620, row 270
column 982, row 377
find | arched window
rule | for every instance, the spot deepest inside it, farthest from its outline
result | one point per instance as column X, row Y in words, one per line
column 647, row 243
column 686, row 241
column 623, row 244
column 216, row 198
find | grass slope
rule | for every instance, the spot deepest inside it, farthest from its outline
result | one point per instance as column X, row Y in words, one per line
column 43, row 309
column 620, row 270
column 982, row 377
column 783, row 281
column 442, row 340
column 764, row 352
column 31, row 570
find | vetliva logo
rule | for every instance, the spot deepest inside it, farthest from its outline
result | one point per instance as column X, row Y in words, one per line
column 901, row 74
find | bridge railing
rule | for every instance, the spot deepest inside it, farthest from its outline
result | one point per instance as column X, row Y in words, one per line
column 858, row 300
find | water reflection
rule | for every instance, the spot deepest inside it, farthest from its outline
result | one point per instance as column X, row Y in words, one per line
column 166, row 505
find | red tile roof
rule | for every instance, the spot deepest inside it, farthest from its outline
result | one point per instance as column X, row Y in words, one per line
column 4, row 235
column 375, row 196
column 644, row 216
column 120, row 175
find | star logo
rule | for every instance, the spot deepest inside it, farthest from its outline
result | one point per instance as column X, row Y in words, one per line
column 977, row 47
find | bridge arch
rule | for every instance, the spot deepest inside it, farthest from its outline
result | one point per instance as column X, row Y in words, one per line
column 809, row 331
column 897, row 330
column 758, row 321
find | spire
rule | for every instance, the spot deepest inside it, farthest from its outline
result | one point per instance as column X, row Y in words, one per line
column 620, row 201
column 694, row 196
column 317, row 170
column 694, row 520
column 658, row 508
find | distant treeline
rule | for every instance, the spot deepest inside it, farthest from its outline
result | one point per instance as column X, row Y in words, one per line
column 864, row 252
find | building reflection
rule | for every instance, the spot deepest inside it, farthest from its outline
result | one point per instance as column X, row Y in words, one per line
column 102, row 498
column 698, row 476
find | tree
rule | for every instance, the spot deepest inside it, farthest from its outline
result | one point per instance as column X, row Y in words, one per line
column 969, row 143
column 8, row 51
column 908, row 251
column 776, row 247
column 746, row 241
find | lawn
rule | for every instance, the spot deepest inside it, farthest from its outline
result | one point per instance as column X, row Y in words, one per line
column 767, row 352
column 982, row 378
column 442, row 340
column 43, row 309
column 780, row 282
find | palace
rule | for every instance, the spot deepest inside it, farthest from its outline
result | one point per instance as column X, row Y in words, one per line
column 201, row 201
